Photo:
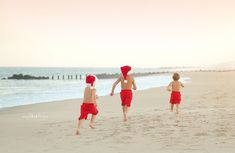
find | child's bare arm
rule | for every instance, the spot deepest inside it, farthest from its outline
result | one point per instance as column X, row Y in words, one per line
column 181, row 84
column 134, row 84
column 114, row 85
column 94, row 96
column 169, row 87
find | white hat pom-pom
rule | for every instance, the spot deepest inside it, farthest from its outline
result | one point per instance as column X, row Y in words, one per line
column 89, row 85
column 125, row 81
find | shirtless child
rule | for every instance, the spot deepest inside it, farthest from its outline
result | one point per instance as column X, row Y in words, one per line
column 175, row 87
column 127, row 82
column 89, row 103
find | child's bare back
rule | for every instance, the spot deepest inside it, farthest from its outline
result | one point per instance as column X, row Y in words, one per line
column 129, row 84
column 175, row 86
column 89, row 95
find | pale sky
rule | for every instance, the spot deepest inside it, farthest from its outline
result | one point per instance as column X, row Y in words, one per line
column 111, row 33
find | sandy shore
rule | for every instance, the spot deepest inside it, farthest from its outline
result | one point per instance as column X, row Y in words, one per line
column 206, row 122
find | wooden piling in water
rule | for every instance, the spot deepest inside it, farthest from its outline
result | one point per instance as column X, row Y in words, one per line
column 69, row 77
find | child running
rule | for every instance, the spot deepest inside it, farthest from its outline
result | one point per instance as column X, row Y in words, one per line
column 175, row 87
column 127, row 82
column 89, row 105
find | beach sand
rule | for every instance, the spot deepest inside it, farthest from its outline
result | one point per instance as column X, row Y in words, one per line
column 206, row 122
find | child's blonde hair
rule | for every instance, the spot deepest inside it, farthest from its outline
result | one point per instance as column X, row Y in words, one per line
column 176, row 76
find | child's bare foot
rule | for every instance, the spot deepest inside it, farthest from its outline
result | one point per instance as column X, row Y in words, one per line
column 77, row 132
column 91, row 125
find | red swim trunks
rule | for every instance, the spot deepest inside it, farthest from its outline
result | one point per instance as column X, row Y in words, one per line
column 126, row 97
column 87, row 108
column 175, row 97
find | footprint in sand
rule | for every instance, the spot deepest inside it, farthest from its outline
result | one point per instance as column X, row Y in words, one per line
column 221, row 135
column 233, row 135
column 221, row 132
column 201, row 134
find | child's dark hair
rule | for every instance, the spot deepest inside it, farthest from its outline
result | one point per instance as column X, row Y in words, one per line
column 176, row 76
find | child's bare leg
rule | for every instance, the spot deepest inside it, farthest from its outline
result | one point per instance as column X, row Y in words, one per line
column 177, row 108
column 92, row 121
column 172, row 107
column 124, row 113
column 126, row 109
column 80, row 122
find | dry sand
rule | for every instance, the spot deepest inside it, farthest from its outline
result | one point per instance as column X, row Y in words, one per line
column 206, row 122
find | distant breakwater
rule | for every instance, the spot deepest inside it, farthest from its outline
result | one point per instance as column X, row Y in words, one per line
column 99, row 76
column 74, row 77
column 27, row 77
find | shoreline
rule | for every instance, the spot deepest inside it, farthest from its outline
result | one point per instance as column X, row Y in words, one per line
column 58, row 95
column 65, row 100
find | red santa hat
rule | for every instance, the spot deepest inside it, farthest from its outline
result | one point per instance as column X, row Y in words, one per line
column 91, row 80
column 125, row 70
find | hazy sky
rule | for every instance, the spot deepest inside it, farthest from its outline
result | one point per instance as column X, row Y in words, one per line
column 110, row 33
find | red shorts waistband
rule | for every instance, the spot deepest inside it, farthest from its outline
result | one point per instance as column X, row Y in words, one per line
column 85, row 103
column 175, row 91
column 128, row 90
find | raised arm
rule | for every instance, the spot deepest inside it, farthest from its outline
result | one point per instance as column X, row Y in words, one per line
column 94, row 96
column 181, row 84
column 134, row 84
column 169, row 87
column 114, row 85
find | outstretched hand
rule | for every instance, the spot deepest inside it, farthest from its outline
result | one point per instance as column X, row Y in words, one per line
column 168, row 89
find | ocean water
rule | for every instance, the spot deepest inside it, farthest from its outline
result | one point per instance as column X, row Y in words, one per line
column 23, row 92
